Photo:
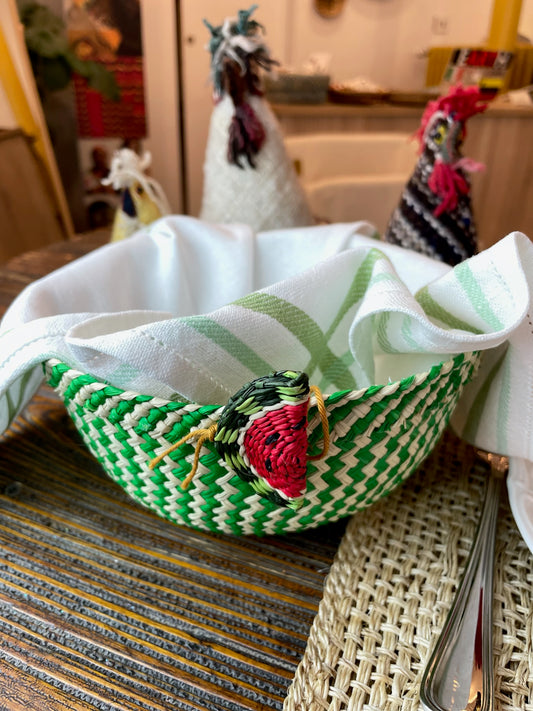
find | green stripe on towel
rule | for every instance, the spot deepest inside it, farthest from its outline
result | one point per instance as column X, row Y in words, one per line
column 229, row 342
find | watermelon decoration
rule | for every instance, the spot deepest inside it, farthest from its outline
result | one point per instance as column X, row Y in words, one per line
column 262, row 436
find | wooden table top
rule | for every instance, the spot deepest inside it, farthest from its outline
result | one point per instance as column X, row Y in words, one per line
column 104, row 605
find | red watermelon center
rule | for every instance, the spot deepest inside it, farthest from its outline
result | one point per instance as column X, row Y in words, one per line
column 276, row 447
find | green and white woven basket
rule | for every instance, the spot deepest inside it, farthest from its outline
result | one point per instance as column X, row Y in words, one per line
column 378, row 437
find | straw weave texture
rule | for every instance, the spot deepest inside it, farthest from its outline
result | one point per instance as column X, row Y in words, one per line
column 392, row 583
column 266, row 197
column 379, row 435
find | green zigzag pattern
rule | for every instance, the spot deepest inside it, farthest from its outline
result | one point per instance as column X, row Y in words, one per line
column 387, row 431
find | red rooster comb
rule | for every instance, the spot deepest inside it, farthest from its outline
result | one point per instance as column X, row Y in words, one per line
column 460, row 102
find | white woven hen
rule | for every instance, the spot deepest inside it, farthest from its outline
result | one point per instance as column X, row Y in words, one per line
column 248, row 175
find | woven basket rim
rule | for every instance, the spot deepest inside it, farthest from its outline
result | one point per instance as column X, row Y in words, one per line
column 127, row 393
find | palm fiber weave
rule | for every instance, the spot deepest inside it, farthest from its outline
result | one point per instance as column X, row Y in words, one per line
column 390, row 588
column 379, row 435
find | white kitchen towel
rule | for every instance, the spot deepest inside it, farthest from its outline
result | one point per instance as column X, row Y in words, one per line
column 189, row 310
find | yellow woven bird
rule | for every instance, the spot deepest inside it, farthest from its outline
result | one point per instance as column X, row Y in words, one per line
column 143, row 200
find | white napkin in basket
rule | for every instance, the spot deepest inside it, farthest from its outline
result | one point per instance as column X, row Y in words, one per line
column 190, row 310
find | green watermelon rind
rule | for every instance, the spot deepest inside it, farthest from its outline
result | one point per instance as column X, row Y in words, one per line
column 241, row 410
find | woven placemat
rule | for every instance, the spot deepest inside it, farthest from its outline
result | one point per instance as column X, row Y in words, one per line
column 392, row 583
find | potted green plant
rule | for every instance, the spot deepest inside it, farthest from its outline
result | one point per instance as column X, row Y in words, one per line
column 52, row 59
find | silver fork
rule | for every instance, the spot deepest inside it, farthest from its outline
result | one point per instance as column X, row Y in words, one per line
column 459, row 675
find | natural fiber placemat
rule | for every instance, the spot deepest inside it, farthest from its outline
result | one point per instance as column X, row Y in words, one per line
column 390, row 588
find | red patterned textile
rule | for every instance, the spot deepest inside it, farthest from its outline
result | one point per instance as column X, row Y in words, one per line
column 99, row 117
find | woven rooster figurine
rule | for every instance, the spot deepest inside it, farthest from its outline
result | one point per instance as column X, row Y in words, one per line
column 434, row 215
column 142, row 198
column 248, row 175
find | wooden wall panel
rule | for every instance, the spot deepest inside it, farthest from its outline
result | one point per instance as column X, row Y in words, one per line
column 29, row 215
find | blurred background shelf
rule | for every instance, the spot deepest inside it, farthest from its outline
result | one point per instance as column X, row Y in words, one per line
column 501, row 138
